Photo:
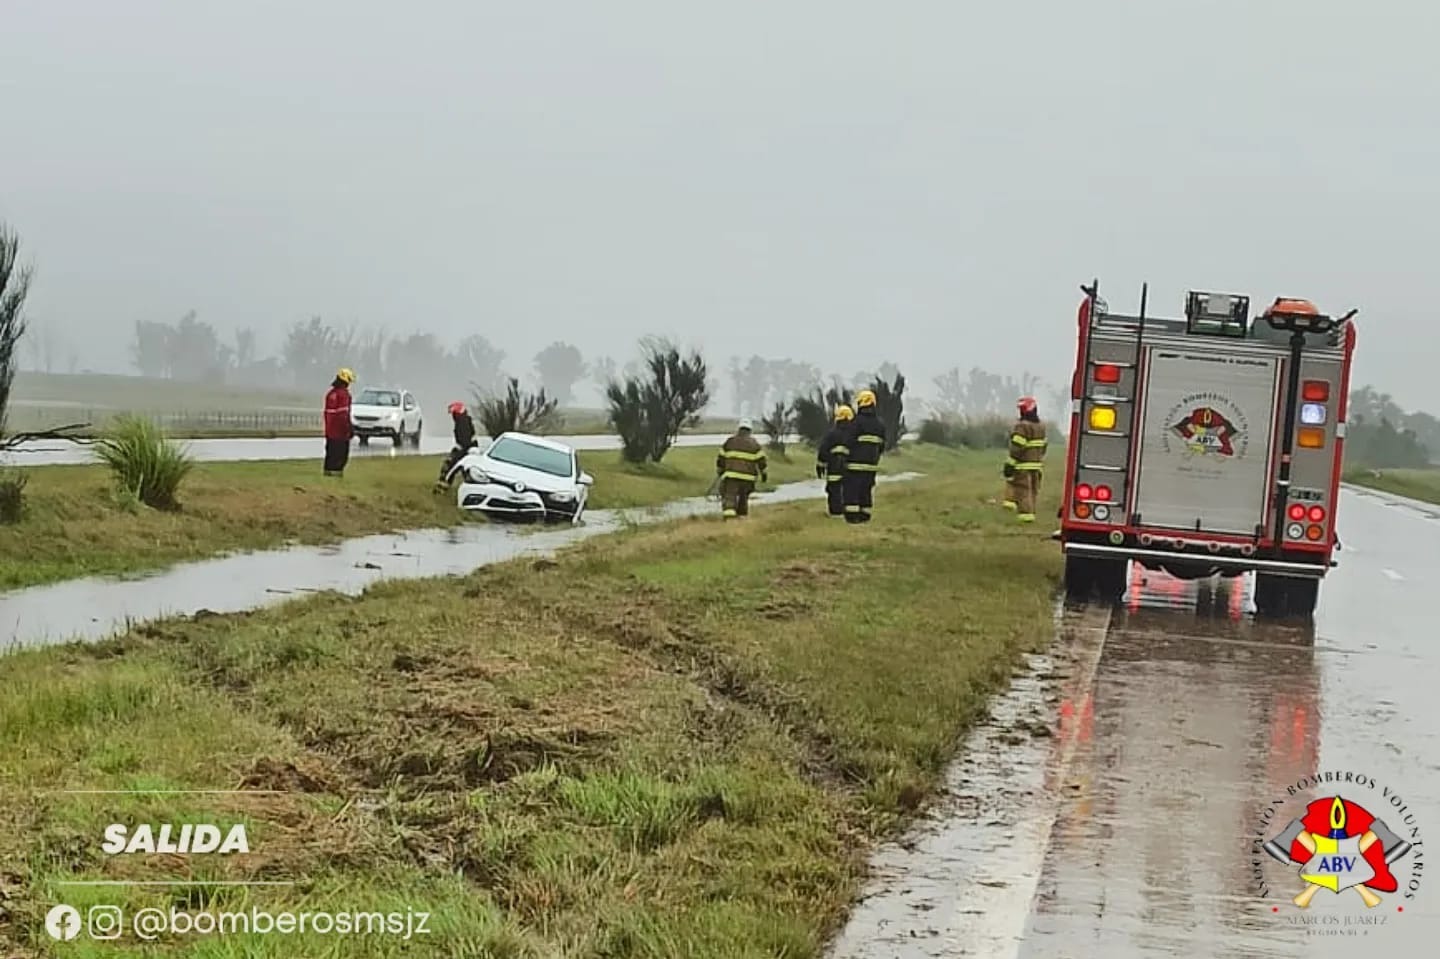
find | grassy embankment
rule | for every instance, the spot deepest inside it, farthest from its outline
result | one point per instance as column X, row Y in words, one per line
column 75, row 525
column 1414, row 483
column 679, row 740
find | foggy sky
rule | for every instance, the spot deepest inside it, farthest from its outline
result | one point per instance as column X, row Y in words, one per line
column 840, row 182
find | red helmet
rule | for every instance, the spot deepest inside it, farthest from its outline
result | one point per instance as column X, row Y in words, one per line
column 1027, row 404
column 456, row 408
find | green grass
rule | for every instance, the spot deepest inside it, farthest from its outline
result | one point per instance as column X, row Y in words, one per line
column 681, row 740
column 1414, row 483
column 75, row 525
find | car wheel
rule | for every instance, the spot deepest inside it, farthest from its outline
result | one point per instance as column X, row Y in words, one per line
column 364, row 441
column 415, row 439
column 399, row 436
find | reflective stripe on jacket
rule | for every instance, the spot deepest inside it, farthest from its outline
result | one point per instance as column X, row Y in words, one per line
column 742, row 458
column 833, row 453
column 866, row 440
column 337, row 413
column 1027, row 445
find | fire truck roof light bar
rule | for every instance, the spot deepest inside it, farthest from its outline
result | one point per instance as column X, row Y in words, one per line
column 1303, row 570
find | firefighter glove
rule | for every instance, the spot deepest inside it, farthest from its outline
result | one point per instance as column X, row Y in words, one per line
column 819, row 471
column 1009, row 470
column 764, row 477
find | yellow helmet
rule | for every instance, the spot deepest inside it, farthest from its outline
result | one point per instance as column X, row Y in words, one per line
column 865, row 398
column 843, row 413
column 346, row 375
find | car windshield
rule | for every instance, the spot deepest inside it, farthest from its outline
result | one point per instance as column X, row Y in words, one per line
column 379, row 398
column 520, row 453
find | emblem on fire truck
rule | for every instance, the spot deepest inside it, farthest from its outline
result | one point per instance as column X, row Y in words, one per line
column 1208, row 425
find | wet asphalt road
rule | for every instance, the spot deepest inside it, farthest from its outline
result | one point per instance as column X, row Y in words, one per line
column 1157, row 743
column 50, row 453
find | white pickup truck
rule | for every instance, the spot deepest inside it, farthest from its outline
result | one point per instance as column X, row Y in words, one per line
column 382, row 411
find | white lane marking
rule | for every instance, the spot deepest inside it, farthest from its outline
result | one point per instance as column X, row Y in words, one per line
column 1393, row 575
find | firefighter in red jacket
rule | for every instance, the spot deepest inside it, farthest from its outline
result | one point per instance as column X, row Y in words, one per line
column 338, row 429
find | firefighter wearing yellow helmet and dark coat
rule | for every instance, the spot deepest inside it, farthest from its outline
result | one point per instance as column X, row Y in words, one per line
column 830, row 459
column 1026, row 460
column 865, row 440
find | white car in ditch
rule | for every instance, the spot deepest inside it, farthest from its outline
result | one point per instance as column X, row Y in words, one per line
column 526, row 477
column 391, row 413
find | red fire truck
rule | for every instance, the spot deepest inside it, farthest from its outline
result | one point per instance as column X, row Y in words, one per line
column 1206, row 445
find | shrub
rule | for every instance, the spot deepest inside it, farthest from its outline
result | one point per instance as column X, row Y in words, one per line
column 778, row 425
column 146, row 464
column 517, row 410
column 12, row 495
column 985, row 432
column 814, row 412
column 890, row 407
column 649, row 411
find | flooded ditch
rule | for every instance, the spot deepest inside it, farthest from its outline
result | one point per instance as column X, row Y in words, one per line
column 96, row 608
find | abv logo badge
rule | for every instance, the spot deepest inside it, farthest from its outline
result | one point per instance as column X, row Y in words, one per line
column 1358, row 839
column 1209, row 425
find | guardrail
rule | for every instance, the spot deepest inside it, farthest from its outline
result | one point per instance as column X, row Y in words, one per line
column 180, row 422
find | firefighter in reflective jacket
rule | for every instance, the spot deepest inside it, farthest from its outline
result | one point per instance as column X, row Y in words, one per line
column 740, row 463
column 866, row 441
column 830, row 459
column 1026, row 460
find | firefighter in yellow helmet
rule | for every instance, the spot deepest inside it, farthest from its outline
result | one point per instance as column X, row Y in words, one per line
column 830, row 459
column 1026, row 460
column 740, row 463
column 865, row 440
column 336, row 419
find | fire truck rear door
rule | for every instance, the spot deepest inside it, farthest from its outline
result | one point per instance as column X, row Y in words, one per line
column 1205, row 444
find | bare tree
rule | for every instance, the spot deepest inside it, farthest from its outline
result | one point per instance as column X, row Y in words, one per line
column 14, row 288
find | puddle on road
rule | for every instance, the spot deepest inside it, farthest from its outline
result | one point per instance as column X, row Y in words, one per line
column 96, row 608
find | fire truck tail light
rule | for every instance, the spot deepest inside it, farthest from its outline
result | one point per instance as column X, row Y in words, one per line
column 1107, row 373
column 1313, row 533
column 1082, row 510
column 1297, row 512
column 1102, row 417
column 1083, row 491
column 1102, row 493
column 1312, row 414
column 1295, row 530
column 1311, row 438
column 1317, row 514
column 1315, row 391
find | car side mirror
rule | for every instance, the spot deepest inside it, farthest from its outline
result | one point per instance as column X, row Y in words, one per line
column 586, row 479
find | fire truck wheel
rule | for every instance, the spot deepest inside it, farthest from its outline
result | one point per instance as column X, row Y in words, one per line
column 1085, row 577
column 1079, row 577
column 1284, row 596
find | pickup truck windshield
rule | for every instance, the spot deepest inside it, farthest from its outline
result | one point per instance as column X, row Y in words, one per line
column 520, row 453
column 378, row 398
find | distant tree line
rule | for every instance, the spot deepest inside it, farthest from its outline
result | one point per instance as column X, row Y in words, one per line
column 1381, row 435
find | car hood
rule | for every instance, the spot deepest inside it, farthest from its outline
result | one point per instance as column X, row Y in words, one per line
column 510, row 473
column 364, row 409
